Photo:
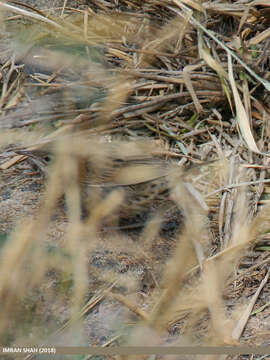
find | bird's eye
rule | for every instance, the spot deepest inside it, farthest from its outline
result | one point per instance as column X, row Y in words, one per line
column 47, row 158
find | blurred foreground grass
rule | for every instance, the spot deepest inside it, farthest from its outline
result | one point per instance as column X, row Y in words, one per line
column 113, row 93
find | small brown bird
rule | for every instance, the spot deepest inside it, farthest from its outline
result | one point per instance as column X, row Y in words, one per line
column 143, row 179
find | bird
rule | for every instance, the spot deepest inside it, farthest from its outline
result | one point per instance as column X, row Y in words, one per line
column 142, row 177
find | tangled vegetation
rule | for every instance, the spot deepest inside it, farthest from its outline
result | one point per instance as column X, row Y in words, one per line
column 134, row 173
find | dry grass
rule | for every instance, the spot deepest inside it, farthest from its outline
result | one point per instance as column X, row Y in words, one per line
column 150, row 148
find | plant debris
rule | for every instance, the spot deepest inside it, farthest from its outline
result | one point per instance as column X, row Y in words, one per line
column 133, row 165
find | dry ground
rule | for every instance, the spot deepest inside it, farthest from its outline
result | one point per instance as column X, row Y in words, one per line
column 129, row 79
